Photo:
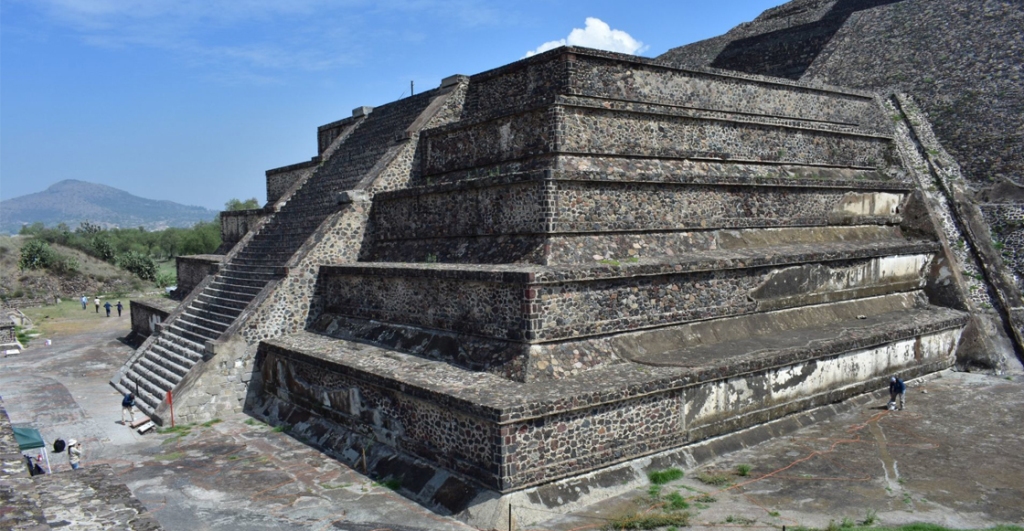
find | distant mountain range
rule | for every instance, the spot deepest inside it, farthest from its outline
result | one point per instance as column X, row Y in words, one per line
column 73, row 202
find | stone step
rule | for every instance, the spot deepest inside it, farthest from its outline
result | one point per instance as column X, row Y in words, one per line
column 157, row 381
column 228, row 285
column 214, row 301
column 182, row 335
column 144, row 400
column 241, row 279
column 148, row 387
column 223, row 292
column 204, row 311
column 186, row 349
column 169, row 360
column 208, row 319
column 546, row 303
column 160, row 374
column 182, row 324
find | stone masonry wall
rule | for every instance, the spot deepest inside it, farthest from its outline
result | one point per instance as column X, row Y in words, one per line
column 510, row 305
column 191, row 270
column 575, row 206
column 280, row 180
column 658, row 133
column 576, row 427
column 235, row 224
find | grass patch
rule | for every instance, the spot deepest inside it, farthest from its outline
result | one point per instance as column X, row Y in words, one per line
column 209, row 423
column 282, row 428
column 743, row 470
column 638, row 520
column 328, row 486
column 870, row 518
column 715, row 480
column 705, row 498
column 180, row 429
column 774, row 514
column 23, row 336
column 739, row 520
column 169, row 456
column 390, row 483
column 661, row 477
column 676, row 502
column 911, row 527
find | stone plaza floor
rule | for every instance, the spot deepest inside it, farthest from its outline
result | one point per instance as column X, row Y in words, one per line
column 952, row 457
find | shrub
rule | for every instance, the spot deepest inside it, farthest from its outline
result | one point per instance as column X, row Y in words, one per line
column 36, row 254
column 65, row 265
column 142, row 266
column 102, row 249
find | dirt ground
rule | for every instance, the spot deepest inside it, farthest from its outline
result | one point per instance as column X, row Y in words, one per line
column 952, row 457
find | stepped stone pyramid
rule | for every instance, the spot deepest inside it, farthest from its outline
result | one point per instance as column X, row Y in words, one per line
column 960, row 60
column 571, row 261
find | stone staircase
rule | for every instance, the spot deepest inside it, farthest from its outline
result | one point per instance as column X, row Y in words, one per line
column 218, row 306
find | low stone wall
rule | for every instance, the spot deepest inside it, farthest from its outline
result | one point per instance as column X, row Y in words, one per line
column 235, row 224
column 280, row 180
column 146, row 313
column 193, row 269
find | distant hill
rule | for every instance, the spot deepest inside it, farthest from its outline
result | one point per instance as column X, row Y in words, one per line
column 73, row 202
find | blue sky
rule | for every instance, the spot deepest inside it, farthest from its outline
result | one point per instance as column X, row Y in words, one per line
column 192, row 100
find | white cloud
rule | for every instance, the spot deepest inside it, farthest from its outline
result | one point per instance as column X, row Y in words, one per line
column 596, row 34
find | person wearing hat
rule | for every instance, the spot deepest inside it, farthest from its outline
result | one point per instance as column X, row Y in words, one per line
column 74, row 453
column 897, row 389
column 127, row 408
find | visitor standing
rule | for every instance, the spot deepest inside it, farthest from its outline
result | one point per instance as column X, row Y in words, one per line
column 97, row 302
column 128, row 408
column 74, row 453
column 119, row 308
column 107, row 307
column 897, row 389
column 85, row 302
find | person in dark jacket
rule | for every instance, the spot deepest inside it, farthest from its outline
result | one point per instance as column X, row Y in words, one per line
column 128, row 408
column 107, row 307
column 119, row 308
column 897, row 389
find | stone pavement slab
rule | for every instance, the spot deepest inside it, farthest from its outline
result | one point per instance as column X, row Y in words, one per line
column 951, row 458
column 236, row 474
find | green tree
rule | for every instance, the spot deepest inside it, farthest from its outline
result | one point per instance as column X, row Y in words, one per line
column 236, row 204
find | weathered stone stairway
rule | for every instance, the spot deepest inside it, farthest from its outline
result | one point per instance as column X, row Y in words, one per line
column 166, row 359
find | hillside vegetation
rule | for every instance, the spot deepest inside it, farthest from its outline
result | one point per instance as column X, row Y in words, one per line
column 42, row 264
column 33, row 287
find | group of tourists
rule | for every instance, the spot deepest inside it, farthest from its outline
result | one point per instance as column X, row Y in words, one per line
column 107, row 306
